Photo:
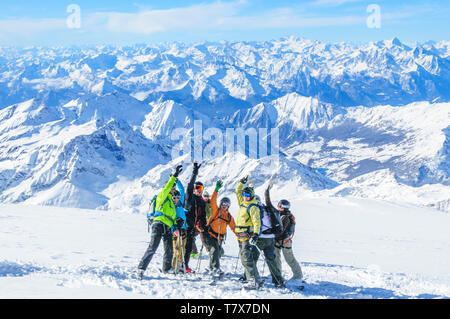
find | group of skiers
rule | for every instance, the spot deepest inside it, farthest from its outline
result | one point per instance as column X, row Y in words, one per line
column 178, row 217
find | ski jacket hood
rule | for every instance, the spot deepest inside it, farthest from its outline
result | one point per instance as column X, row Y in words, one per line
column 247, row 220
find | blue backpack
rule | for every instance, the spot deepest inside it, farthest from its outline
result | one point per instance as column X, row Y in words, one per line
column 152, row 213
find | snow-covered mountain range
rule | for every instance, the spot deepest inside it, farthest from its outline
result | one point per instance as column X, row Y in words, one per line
column 90, row 127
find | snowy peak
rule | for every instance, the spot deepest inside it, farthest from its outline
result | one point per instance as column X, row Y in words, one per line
column 253, row 72
column 103, row 108
column 167, row 116
column 104, row 87
column 292, row 112
column 302, row 112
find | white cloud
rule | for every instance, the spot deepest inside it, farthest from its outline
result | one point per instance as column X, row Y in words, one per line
column 212, row 16
column 195, row 17
column 332, row 3
column 29, row 27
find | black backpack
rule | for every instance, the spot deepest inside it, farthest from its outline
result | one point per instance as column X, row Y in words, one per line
column 275, row 218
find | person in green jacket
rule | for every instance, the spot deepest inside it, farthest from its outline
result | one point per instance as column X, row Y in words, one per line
column 248, row 225
column 163, row 224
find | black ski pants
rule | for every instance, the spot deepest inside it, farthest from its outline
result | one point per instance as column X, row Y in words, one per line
column 159, row 231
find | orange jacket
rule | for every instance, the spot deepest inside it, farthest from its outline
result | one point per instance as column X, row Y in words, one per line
column 219, row 219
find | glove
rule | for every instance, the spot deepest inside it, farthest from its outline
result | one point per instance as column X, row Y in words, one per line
column 219, row 185
column 180, row 222
column 196, row 168
column 178, row 170
column 253, row 240
column 199, row 228
column 244, row 180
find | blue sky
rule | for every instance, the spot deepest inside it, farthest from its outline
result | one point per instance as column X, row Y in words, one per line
column 45, row 22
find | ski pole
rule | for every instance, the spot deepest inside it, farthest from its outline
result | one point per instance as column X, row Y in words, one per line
column 175, row 255
column 177, row 260
column 199, row 260
column 264, row 258
column 182, row 256
column 237, row 261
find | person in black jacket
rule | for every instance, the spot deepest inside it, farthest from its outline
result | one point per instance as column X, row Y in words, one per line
column 283, row 242
column 196, row 214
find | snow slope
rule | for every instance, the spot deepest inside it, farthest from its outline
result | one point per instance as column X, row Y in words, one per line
column 349, row 248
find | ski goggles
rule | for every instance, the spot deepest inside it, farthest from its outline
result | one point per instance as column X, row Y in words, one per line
column 245, row 194
column 284, row 206
column 225, row 204
column 198, row 187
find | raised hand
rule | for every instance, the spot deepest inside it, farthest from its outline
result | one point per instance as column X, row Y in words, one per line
column 196, row 167
column 244, row 180
column 219, row 185
column 178, row 170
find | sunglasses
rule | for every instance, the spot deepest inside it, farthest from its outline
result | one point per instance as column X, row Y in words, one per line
column 176, row 197
column 206, row 196
column 245, row 194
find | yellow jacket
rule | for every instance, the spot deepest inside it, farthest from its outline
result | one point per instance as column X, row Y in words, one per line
column 247, row 221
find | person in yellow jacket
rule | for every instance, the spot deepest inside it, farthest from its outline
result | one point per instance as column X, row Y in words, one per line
column 248, row 226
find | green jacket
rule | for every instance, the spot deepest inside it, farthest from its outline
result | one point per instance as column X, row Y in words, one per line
column 165, row 205
column 245, row 221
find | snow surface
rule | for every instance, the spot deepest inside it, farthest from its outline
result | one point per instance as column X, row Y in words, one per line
column 349, row 248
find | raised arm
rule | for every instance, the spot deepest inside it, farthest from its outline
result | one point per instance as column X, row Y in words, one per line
column 182, row 192
column 168, row 187
column 239, row 189
column 190, row 187
column 267, row 195
column 219, row 185
column 165, row 192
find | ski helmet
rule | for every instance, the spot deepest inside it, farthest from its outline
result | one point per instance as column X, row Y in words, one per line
column 249, row 192
column 198, row 186
column 176, row 194
column 225, row 200
column 284, row 204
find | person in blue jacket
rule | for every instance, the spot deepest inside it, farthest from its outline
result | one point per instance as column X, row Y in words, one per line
column 179, row 232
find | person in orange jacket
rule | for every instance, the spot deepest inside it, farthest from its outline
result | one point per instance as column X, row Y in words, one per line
column 217, row 228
